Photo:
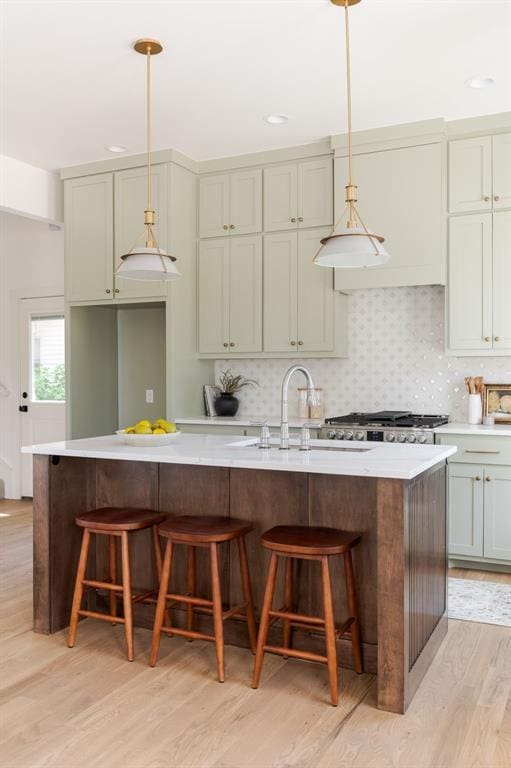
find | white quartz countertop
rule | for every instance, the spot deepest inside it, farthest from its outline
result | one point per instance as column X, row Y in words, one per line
column 387, row 460
column 243, row 421
column 453, row 428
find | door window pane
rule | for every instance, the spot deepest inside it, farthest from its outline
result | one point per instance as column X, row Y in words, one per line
column 47, row 358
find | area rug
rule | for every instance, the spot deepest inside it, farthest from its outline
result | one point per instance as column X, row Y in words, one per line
column 488, row 602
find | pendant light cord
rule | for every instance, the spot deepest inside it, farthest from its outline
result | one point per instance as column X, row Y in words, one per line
column 149, row 207
column 348, row 87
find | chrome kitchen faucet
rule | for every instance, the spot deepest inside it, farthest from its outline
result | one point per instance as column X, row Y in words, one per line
column 284, row 424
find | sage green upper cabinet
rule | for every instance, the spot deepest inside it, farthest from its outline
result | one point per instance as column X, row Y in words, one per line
column 501, row 165
column 400, row 197
column 470, row 185
column 298, row 296
column 130, row 195
column 231, row 203
column 89, row 237
column 480, row 173
column 479, row 307
column 470, row 282
column 298, row 195
column 230, row 295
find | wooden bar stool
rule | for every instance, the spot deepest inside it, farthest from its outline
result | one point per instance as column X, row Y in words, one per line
column 208, row 532
column 308, row 543
column 115, row 523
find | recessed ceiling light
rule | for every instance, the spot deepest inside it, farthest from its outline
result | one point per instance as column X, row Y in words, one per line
column 480, row 81
column 275, row 119
column 117, row 148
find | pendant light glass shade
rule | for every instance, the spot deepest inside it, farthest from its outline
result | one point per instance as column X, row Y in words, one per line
column 148, row 264
column 351, row 247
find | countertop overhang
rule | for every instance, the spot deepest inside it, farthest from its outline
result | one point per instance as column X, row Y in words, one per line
column 385, row 460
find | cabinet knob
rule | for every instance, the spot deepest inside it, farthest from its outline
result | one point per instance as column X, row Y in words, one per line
column 226, row 226
column 226, row 344
column 477, row 478
column 108, row 290
column 487, row 338
column 231, row 226
column 232, row 344
column 497, row 338
column 300, row 343
column 293, row 220
column 293, row 343
column 488, row 479
column 496, row 198
column 486, row 198
column 117, row 290
column 300, row 218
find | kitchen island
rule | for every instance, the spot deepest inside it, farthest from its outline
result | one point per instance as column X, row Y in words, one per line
column 394, row 495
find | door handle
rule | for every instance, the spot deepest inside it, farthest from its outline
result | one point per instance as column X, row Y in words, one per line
column 23, row 408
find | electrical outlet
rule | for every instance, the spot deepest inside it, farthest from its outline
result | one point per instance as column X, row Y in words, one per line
column 149, row 395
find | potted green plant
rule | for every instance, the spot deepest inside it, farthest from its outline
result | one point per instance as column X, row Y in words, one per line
column 226, row 404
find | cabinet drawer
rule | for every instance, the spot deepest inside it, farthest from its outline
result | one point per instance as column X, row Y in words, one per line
column 478, row 450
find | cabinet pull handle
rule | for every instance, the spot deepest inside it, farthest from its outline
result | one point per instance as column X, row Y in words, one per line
column 231, row 226
column 108, row 290
column 300, row 343
column 486, row 198
column 477, row 478
column 232, row 344
column 226, row 226
column 300, row 218
column 496, row 198
column 293, row 220
column 488, row 452
column 293, row 343
column 497, row 338
column 487, row 338
column 488, row 479
column 226, row 344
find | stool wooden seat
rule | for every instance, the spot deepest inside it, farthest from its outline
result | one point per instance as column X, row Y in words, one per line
column 295, row 542
column 114, row 522
column 207, row 532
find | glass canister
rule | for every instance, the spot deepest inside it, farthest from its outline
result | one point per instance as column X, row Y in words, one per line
column 314, row 411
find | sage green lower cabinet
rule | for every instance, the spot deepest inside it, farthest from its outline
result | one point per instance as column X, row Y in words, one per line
column 466, row 510
column 497, row 513
column 230, row 295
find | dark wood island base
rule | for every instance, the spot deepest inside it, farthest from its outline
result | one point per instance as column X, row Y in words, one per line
column 400, row 564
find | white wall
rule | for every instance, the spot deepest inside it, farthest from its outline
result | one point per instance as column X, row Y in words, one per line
column 396, row 361
column 29, row 191
column 31, row 264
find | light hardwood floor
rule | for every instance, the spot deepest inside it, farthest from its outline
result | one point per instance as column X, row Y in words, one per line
column 89, row 707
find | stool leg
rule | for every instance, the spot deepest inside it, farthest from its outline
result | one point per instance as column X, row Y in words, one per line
column 126, row 594
column 353, row 611
column 113, row 575
column 161, row 604
column 158, row 558
column 288, row 602
column 190, row 586
column 247, row 593
column 77, row 596
column 218, row 621
column 265, row 618
column 331, row 651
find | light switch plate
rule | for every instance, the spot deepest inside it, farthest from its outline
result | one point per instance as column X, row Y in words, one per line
column 149, row 395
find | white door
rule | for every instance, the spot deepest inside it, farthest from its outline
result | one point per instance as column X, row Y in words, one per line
column 280, row 197
column 42, row 377
column 214, row 210
column 315, row 296
column 280, row 281
column 246, row 294
column 470, row 175
column 502, row 280
column 501, row 165
column 213, row 296
column 315, row 193
column 246, row 206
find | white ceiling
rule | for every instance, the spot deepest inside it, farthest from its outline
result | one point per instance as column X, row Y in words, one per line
column 71, row 83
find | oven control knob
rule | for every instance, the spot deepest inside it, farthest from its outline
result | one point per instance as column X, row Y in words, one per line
column 339, row 435
column 402, row 437
column 348, row 435
column 359, row 435
column 421, row 439
column 330, row 435
column 411, row 439
column 390, row 437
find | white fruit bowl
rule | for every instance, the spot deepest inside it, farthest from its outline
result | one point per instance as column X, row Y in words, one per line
column 144, row 441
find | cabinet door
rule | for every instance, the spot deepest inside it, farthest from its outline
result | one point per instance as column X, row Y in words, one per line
column 315, row 296
column 280, row 197
column 89, row 237
column 502, row 280
column 214, row 213
column 213, row 296
column 497, row 513
column 466, row 493
column 413, row 230
column 130, row 195
column 245, row 294
column 315, row 193
column 246, row 202
column 470, row 175
column 501, row 169
column 470, row 282
column 280, row 292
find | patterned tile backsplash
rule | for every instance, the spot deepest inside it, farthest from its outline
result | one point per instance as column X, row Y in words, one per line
column 396, row 361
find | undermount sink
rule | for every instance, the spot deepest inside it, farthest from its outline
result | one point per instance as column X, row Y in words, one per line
column 315, row 445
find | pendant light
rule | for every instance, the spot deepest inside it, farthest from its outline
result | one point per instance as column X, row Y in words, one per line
column 351, row 244
column 150, row 262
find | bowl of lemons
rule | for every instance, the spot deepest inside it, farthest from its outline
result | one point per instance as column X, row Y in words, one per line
column 146, row 433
